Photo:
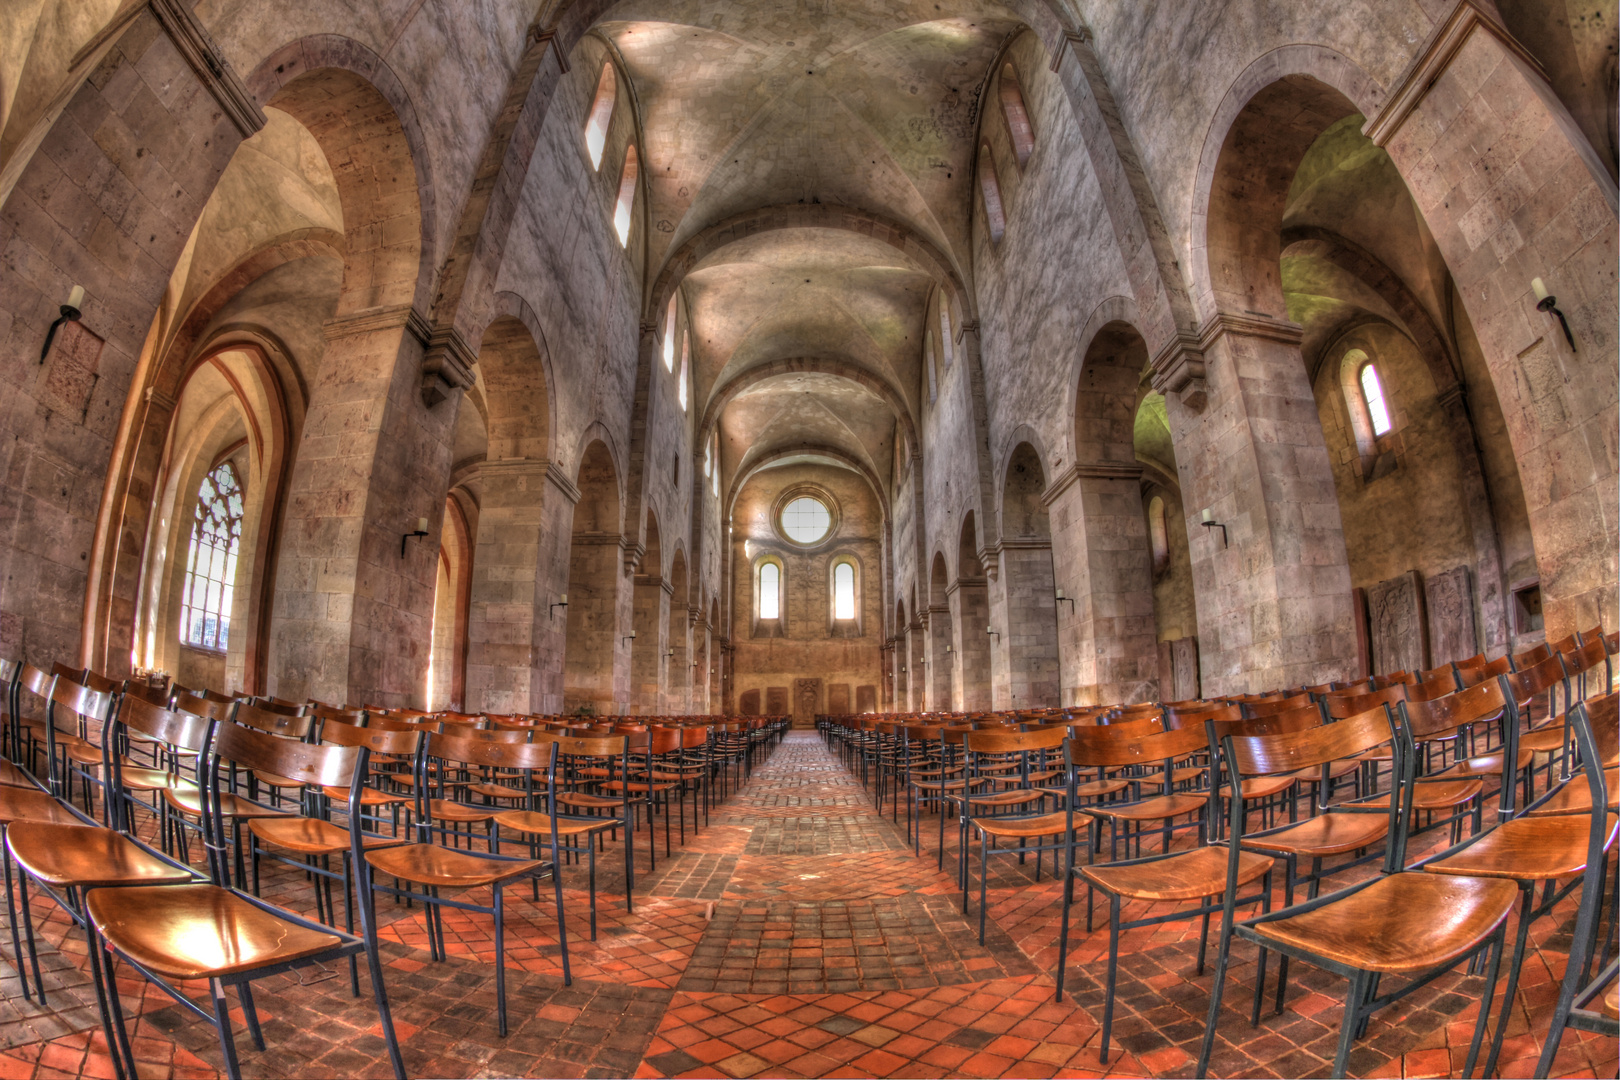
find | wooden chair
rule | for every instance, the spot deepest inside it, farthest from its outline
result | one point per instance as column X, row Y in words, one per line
column 1545, row 848
column 543, row 815
column 1027, row 799
column 1199, row 875
column 583, row 771
column 434, row 867
column 309, row 841
column 28, row 804
column 173, row 933
column 1382, row 926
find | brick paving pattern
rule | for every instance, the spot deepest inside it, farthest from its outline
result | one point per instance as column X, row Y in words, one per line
column 795, row 936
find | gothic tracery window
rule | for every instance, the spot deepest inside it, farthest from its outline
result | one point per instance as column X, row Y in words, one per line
column 216, row 534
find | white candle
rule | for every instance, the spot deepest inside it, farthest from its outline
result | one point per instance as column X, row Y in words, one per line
column 421, row 525
column 1060, row 594
column 563, row 599
column 1209, row 515
column 1538, row 287
column 76, row 297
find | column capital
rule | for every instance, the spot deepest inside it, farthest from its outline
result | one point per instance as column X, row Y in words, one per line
column 447, row 366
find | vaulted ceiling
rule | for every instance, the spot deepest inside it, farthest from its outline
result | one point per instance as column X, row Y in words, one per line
column 812, row 337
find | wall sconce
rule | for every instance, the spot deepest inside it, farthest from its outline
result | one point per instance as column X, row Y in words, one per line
column 993, row 630
column 1068, row 599
column 947, row 650
column 631, row 636
column 560, row 602
column 902, row 669
column 670, row 653
column 1545, row 301
column 70, row 313
column 1209, row 522
column 421, row 530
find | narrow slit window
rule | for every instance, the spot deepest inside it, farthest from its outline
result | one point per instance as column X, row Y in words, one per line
column 596, row 126
column 669, row 336
column 627, row 197
column 216, row 534
column 1372, row 391
column 770, row 591
column 990, row 189
column 946, row 344
column 708, row 460
column 1012, row 107
column 686, row 354
column 843, row 591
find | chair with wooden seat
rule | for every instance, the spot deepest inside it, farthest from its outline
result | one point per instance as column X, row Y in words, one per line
column 1155, row 801
column 76, row 723
column 434, row 867
column 174, row 933
column 308, row 841
column 22, row 804
column 583, row 772
column 544, row 815
column 1018, row 811
column 1398, row 923
column 1198, row 875
column 1545, row 848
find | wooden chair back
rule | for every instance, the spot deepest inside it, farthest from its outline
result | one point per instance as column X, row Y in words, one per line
column 218, row 711
column 1343, row 704
column 274, row 723
column 1110, row 747
column 1442, row 717
column 1275, row 705
column 172, row 727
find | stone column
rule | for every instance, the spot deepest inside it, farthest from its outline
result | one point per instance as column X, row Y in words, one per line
column 1512, row 191
column 353, row 616
column 970, row 651
column 1274, row 592
column 940, row 634
column 1108, row 652
column 509, row 617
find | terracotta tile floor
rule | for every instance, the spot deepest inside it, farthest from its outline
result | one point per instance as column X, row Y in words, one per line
column 795, row 935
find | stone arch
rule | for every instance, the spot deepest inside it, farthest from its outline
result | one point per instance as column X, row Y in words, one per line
column 517, row 392
column 941, row 633
column 325, row 81
column 922, row 253
column 1272, row 112
column 742, row 478
column 510, row 307
column 1027, row 655
column 724, row 394
column 970, row 616
column 678, row 647
column 591, row 657
column 447, row 685
column 1024, row 445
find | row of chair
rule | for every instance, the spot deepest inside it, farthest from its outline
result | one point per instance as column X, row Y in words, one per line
column 1141, row 769
column 169, row 765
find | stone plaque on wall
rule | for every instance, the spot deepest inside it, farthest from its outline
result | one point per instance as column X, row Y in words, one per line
column 806, row 700
column 866, row 698
column 1167, row 673
column 74, row 366
column 1395, row 620
column 1184, row 663
column 778, row 701
column 838, row 699
column 748, row 704
column 1449, row 598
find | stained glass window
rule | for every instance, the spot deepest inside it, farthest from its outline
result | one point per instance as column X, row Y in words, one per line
column 216, row 535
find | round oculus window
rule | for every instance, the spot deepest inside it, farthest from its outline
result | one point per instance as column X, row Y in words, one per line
column 806, row 520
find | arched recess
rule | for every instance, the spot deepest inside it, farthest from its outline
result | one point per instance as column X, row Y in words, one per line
column 1175, row 611
column 917, row 656
column 504, row 434
column 594, row 559
column 359, row 111
column 1108, row 641
column 941, row 636
column 447, row 664
column 652, row 602
column 822, row 365
column 970, row 616
column 1026, row 660
column 678, row 643
column 898, row 672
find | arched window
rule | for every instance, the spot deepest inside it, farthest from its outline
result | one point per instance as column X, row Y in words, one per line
column 844, row 591
column 627, row 197
column 1158, row 534
column 990, row 189
column 770, row 591
column 596, row 126
column 216, row 533
column 708, row 459
column 714, row 441
column 946, row 342
column 669, row 336
column 686, row 353
column 1372, row 392
column 1012, row 107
